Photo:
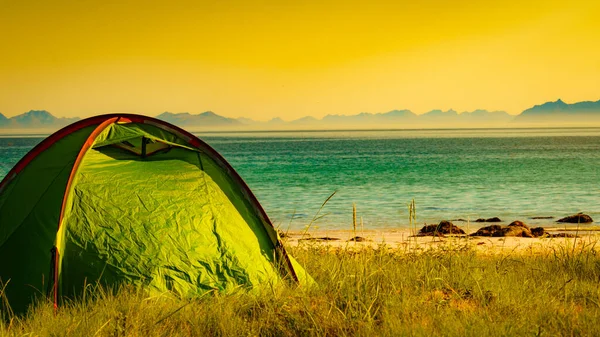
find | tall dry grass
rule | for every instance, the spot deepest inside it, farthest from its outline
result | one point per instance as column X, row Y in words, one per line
column 382, row 291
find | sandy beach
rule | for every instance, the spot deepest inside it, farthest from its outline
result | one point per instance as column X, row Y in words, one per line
column 405, row 240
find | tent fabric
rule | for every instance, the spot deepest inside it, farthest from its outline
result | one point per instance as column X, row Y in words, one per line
column 130, row 199
column 29, row 213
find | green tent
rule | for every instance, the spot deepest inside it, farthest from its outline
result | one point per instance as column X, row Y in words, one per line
column 131, row 199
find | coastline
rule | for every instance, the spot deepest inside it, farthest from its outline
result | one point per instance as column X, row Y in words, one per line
column 405, row 240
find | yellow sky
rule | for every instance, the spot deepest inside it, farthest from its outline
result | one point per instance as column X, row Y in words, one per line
column 264, row 59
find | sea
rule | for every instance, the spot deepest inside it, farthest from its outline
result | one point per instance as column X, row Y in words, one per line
column 315, row 178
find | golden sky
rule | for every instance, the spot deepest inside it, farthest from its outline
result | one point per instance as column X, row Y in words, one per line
column 263, row 59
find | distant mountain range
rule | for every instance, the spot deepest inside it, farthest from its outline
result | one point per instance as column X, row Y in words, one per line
column 548, row 114
column 185, row 119
column 561, row 112
column 39, row 119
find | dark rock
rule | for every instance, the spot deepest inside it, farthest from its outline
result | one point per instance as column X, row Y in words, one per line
column 518, row 231
column 429, row 230
column 516, row 228
column 444, row 227
column 577, row 218
column 542, row 217
column 494, row 219
column 358, row 239
column 488, row 231
column 538, row 232
column 325, row 238
column 518, row 224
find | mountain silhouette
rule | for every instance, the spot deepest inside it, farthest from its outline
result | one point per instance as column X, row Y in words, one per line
column 3, row 120
column 276, row 121
column 367, row 118
column 247, row 121
column 205, row 119
column 35, row 119
column 308, row 120
column 560, row 112
column 556, row 113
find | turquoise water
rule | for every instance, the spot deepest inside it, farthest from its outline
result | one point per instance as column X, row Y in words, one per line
column 451, row 174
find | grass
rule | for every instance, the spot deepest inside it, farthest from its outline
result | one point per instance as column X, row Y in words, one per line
column 361, row 293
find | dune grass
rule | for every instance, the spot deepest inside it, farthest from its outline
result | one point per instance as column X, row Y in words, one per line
column 365, row 292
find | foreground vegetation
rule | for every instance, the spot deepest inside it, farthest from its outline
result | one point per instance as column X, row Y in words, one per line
column 450, row 292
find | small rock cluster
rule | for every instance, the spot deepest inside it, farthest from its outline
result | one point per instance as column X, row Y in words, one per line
column 515, row 229
column 518, row 229
column 444, row 227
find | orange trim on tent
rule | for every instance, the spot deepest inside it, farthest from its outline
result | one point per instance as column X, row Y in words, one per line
column 86, row 146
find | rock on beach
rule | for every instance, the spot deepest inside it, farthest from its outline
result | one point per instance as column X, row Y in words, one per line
column 577, row 218
column 494, row 219
column 444, row 227
column 517, row 229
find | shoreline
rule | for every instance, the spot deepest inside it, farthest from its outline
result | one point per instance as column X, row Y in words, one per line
column 405, row 240
column 549, row 223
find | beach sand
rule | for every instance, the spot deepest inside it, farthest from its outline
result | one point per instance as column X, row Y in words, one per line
column 404, row 240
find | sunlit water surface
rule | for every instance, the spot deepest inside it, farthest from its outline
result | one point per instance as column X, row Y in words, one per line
column 451, row 174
